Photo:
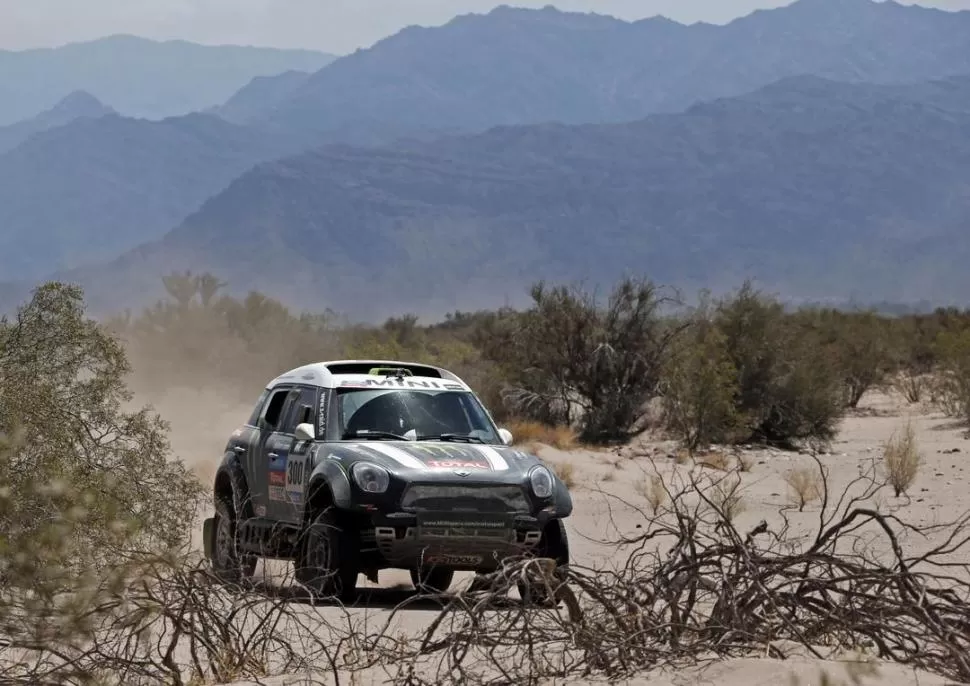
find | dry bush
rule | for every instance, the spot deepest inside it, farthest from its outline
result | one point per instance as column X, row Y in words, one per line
column 160, row 620
column 901, row 459
column 911, row 385
column 726, row 497
column 654, row 491
column 805, row 486
column 529, row 432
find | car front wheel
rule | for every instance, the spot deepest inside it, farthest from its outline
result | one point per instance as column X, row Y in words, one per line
column 432, row 579
column 554, row 544
column 227, row 563
column 327, row 559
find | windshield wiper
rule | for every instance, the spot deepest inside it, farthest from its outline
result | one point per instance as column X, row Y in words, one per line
column 453, row 437
column 387, row 435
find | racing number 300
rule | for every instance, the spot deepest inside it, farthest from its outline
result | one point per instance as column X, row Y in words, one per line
column 295, row 472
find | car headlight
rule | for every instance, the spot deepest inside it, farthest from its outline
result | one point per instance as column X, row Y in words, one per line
column 541, row 480
column 371, row 478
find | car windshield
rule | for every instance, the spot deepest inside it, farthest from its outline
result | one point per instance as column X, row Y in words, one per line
column 430, row 414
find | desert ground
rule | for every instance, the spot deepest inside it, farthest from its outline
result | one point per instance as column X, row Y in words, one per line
column 610, row 501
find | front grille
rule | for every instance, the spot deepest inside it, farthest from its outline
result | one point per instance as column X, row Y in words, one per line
column 464, row 498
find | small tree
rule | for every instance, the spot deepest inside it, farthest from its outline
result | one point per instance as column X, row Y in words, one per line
column 62, row 386
column 571, row 354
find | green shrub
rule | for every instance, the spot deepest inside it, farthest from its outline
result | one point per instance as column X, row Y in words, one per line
column 789, row 385
column 700, row 387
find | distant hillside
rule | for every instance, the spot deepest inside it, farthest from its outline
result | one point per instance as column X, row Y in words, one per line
column 138, row 77
column 518, row 66
column 815, row 188
column 75, row 106
column 90, row 189
column 260, row 97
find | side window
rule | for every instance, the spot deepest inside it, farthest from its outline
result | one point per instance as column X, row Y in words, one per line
column 301, row 410
column 258, row 409
column 274, row 410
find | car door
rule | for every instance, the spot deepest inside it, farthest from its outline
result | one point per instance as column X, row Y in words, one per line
column 288, row 457
column 256, row 455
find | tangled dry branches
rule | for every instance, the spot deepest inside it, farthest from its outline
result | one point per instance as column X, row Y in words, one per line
column 694, row 586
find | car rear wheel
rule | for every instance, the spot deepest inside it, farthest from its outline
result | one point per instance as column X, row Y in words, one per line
column 327, row 559
column 554, row 544
column 432, row 579
column 228, row 564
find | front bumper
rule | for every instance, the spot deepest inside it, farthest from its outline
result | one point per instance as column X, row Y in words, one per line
column 465, row 541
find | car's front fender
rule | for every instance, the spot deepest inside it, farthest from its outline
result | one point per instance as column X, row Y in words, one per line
column 563, row 499
column 331, row 475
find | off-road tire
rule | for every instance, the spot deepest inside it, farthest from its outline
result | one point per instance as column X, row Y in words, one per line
column 432, row 579
column 327, row 559
column 228, row 563
column 553, row 544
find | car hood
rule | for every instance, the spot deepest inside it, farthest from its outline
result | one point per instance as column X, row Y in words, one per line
column 432, row 456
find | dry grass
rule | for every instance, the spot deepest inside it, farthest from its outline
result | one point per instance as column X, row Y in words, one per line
column 715, row 460
column 566, row 471
column 528, row 432
column 901, row 459
column 727, row 499
column 805, row 486
column 653, row 491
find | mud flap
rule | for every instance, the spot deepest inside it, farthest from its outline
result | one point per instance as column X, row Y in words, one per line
column 208, row 536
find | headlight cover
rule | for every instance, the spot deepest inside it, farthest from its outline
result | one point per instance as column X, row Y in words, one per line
column 370, row 478
column 541, row 480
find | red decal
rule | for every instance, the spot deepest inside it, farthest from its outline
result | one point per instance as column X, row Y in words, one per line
column 277, row 477
column 456, row 464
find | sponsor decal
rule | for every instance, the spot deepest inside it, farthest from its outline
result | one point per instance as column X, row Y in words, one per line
column 452, row 524
column 277, row 493
column 457, row 560
column 260, row 510
column 456, row 464
column 393, row 382
column 277, row 478
column 322, row 413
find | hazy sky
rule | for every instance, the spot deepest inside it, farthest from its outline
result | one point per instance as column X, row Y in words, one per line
column 335, row 25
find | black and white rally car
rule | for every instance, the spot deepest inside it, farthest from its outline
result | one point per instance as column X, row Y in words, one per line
column 351, row 467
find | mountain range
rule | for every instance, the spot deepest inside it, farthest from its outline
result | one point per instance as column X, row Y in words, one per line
column 451, row 166
column 138, row 77
column 816, row 188
column 76, row 105
column 518, row 66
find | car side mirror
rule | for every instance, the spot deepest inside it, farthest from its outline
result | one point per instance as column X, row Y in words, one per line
column 305, row 432
column 506, row 436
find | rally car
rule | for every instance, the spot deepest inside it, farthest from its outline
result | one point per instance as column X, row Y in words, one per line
column 351, row 467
